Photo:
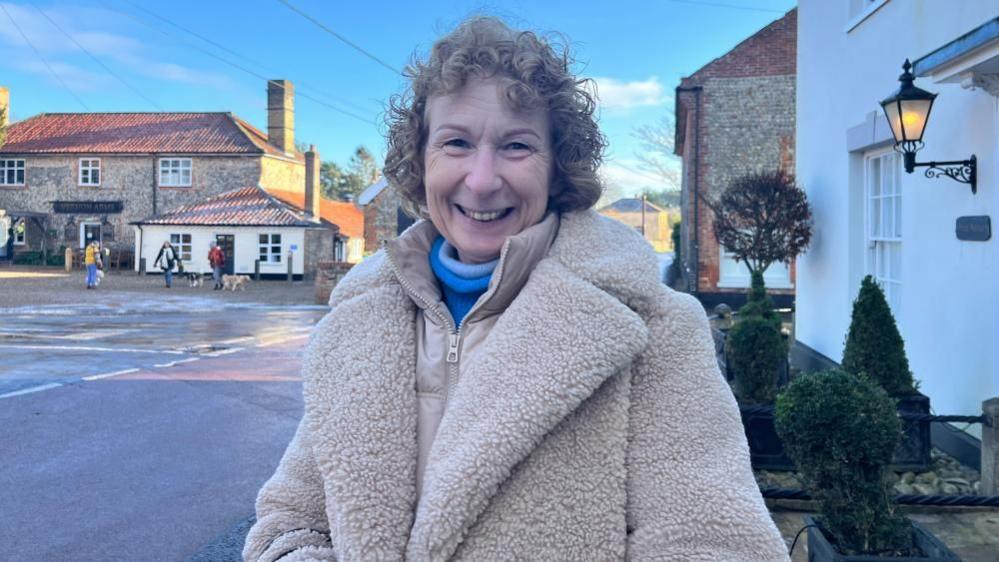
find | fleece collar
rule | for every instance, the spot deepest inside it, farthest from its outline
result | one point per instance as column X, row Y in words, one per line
column 574, row 324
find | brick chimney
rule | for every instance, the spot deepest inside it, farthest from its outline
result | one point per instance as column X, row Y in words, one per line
column 312, row 192
column 4, row 106
column 281, row 115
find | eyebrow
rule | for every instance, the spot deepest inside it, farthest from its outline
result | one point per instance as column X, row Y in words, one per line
column 506, row 134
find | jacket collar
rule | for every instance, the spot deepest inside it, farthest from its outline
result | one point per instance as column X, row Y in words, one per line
column 574, row 324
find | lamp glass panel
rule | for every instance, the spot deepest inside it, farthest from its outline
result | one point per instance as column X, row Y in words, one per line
column 892, row 112
column 914, row 114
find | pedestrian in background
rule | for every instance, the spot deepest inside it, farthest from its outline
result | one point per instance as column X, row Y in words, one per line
column 216, row 258
column 90, row 258
column 166, row 260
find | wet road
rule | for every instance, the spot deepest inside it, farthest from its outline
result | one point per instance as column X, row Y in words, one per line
column 141, row 433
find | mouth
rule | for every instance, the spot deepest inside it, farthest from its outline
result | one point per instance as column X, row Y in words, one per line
column 484, row 216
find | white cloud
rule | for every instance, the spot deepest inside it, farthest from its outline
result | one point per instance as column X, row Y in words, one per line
column 614, row 94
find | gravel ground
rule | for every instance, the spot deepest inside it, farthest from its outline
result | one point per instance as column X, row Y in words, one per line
column 22, row 287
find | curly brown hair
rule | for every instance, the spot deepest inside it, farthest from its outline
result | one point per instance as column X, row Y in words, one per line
column 485, row 47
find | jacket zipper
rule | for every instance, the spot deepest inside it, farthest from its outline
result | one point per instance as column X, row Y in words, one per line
column 454, row 334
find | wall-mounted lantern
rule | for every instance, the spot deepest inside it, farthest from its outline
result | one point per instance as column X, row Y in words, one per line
column 908, row 110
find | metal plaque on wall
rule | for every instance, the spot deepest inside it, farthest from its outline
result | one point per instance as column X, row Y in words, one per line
column 974, row 229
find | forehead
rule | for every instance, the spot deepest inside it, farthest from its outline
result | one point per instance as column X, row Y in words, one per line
column 479, row 100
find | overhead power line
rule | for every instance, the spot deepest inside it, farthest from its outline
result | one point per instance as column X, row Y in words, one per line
column 97, row 60
column 730, row 6
column 221, row 47
column 45, row 62
column 354, row 46
column 239, row 66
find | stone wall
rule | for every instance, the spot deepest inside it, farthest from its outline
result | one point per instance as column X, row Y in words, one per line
column 284, row 175
column 128, row 179
column 318, row 248
column 381, row 219
column 328, row 274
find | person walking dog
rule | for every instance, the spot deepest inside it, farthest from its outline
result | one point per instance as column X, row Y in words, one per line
column 509, row 379
column 166, row 259
column 216, row 258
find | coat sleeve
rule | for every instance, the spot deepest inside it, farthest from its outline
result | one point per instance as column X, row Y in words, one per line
column 291, row 521
column 691, row 491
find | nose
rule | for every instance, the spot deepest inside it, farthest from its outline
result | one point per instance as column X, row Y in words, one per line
column 483, row 177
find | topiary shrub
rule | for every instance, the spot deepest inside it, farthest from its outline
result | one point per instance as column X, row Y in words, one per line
column 841, row 430
column 755, row 347
column 28, row 258
column 57, row 258
column 873, row 344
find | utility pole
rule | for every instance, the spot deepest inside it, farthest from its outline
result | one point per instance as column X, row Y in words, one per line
column 643, row 215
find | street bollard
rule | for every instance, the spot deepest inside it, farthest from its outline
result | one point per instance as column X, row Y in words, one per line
column 142, row 266
column 990, row 449
column 256, row 270
column 291, row 258
column 69, row 259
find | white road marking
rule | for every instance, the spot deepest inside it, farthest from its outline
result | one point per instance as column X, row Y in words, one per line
column 95, row 334
column 233, row 340
column 276, row 341
column 88, row 348
column 107, row 375
column 177, row 362
column 32, row 389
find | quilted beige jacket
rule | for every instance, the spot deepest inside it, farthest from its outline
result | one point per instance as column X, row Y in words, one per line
column 592, row 425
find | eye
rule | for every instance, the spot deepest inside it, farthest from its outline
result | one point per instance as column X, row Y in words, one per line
column 453, row 146
column 517, row 147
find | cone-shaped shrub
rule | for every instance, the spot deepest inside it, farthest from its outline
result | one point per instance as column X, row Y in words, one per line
column 873, row 344
column 841, row 430
column 755, row 347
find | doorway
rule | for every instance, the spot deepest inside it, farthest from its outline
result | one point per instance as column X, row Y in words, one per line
column 89, row 232
column 227, row 243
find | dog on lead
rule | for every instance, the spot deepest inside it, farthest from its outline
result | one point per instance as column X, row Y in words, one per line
column 233, row 282
column 195, row 279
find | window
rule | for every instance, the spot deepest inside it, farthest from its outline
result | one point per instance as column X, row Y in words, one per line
column 733, row 274
column 884, row 224
column 182, row 244
column 175, row 172
column 90, row 172
column 270, row 248
column 20, row 230
column 11, row 172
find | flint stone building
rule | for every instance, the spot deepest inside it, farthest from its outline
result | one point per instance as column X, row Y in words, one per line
column 69, row 178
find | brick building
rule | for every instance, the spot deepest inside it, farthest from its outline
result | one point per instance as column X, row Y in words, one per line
column 384, row 218
column 654, row 223
column 734, row 116
column 68, row 178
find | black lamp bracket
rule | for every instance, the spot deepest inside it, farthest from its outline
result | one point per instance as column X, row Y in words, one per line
column 964, row 171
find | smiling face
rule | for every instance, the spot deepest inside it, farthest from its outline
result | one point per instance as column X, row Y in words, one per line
column 488, row 168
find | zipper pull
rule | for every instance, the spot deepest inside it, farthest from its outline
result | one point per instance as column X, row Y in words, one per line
column 452, row 347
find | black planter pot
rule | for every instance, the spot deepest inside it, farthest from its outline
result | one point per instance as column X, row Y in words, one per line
column 766, row 451
column 821, row 550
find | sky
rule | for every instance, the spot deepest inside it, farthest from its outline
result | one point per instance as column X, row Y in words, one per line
column 345, row 63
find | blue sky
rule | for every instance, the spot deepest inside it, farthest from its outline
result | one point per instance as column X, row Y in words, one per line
column 636, row 50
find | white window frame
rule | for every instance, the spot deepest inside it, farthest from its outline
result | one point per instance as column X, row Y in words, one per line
column 269, row 250
column 860, row 10
column 883, row 223
column 181, row 241
column 10, row 167
column 170, row 172
column 20, row 238
column 89, row 165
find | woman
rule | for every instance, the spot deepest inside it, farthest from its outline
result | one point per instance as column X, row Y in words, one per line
column 90, row 257
column 509, row 379
column 166, row 260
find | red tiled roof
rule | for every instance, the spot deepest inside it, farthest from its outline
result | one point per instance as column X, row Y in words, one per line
column 248, row 206
column 129, row 133
column 258, row 138
column 347, row 216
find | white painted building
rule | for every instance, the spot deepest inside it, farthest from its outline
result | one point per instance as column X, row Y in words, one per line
column 248, row 224
column 873, row 218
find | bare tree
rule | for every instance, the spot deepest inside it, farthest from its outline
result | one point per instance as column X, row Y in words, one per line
column 762, row 218
column 3, row 125
column 657, row 158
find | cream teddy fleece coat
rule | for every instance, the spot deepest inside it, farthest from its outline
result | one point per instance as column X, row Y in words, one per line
column 598, row 427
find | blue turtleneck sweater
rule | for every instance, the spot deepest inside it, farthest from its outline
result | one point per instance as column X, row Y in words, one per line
column 462, row 283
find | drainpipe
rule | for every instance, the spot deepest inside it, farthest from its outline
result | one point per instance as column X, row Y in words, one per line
column 697, row 188
column 138, row 255
column 154, row 185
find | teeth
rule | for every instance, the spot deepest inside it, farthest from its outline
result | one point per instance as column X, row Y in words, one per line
column 484, row 217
